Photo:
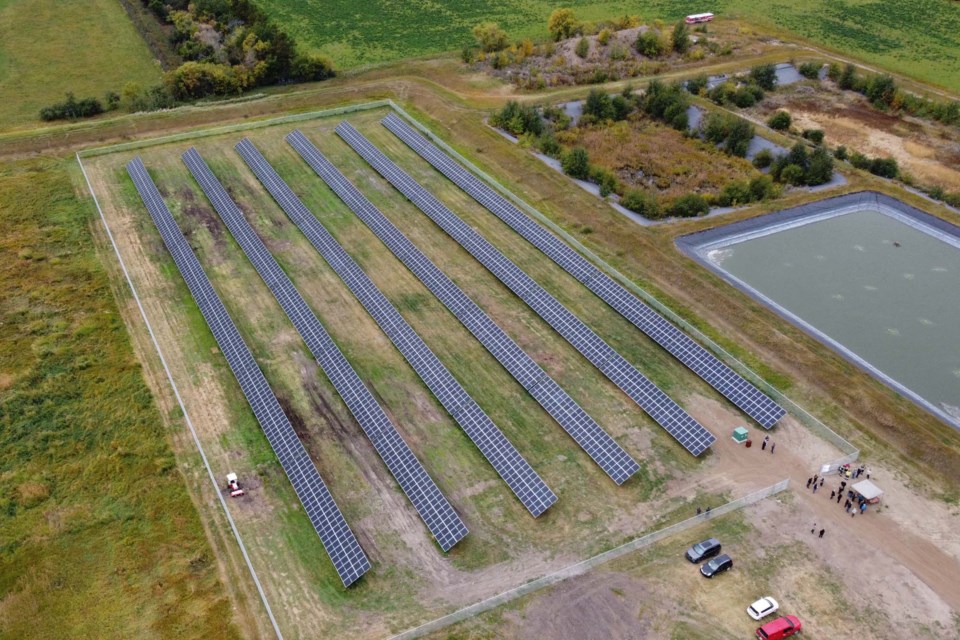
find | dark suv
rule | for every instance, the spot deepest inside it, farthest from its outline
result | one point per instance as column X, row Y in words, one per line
column 703, row 550
column 717, row 565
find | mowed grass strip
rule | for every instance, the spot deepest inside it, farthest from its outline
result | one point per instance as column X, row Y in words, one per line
column 50, row 47
column 918, row 38
column 98, row 537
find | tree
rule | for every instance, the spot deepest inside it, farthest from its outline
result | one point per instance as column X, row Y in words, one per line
column 884, row 167
column 599, row 105
column 764, row 76
column 681, row 37
column 881, row 90
column 813, row 135
column 562, row 24
column 819, row 168
column 583, row 48
column 649, row 44
column 576, row 164
column 490, row 36
column 848, row 77
column 763, row 159
column 780, row 121
column 810, row 70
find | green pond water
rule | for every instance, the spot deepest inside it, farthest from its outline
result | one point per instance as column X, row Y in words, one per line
column 883, row 289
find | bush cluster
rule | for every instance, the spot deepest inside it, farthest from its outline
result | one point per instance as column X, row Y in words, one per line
column 801, row 167
column 883, row 92
column 741, row 192
column 667, row 103
column 71, row 109
column 730, row 133
column 883, row 167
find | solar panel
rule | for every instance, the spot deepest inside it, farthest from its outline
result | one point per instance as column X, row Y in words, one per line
column 729, row 383
column 442, row 521
column 667, row 413
column 337, row 538
column 575, row 421
column 532, row 491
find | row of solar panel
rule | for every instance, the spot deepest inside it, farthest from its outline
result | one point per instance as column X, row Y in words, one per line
column 658, row 405
column 717, row 374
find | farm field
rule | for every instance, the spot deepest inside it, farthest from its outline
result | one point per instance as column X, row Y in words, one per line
column 411, row 580
column 918, row 38
column 95, row 510
column 51, row 47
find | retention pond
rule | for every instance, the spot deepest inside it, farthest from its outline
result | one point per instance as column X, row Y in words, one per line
column 870, row 276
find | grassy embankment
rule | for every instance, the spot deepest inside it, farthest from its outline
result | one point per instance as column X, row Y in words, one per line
column 49, row 47
column 916, row 38
column 98, row 536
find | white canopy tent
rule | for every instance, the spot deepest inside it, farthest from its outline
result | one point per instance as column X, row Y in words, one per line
column 870, row 492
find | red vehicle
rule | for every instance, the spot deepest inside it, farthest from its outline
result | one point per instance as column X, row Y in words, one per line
column 780, row 628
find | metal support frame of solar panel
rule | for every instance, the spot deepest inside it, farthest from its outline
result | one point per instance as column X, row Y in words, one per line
column 338, row 540
column 529, row 488
column 658, row 405
column 718, row 375
column 437, row 513
column 591, row 437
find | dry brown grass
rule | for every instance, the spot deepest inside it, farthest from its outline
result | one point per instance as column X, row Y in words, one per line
column 645, row 153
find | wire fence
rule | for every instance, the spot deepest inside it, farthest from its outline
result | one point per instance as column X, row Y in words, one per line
column 590, row 563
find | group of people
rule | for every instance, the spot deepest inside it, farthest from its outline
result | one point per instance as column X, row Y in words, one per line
column 854, row 503
column 846, row 471
column 766, row 440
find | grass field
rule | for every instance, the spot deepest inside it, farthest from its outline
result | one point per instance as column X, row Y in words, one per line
column 918, row 38
column 50, row 47
column 98, row 536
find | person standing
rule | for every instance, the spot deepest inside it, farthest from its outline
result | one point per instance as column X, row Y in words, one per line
column 821, row 481
column 813, row 529
column 833, row 494
column 863, row 507
column 809, row 480
column 815, row 487
column 839, row 496
column 822, row 531
column 766, row 439
column 773, row 445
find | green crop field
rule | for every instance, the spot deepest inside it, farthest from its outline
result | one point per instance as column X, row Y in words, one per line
column 98, row 537
column 920, row 38
column 49, row 47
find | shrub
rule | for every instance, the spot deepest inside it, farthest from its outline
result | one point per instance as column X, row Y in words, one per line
column 744, row 97
column 680, row 38
column 598, row 105
column 583, row 48
column 764, row 76
column 562, row 24
column 884, row 167
column 763, row 159
column 819, row 168
column 691, row 205
column 735, row 193
column 814, row 135
column 880, row 90
column 649, row 44
column 840, row 153
column 810, row 70
column 697, row 84
column 605, row 179
column 518, row 119
column 848, row 77
column 622, row 107
column 490, row 37
column 642, row 202
column 667, row 103
column 576, row 164
column 780, row 121
column 792, row 174
column 603, row 38
column 548, row 145
column 71, row 109
column 728, row 131
column 617, row 51
column 763, row 188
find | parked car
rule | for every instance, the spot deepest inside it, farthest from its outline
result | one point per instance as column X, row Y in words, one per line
column 762, row 608
column 780, row 628
column 703, row 550
column 717, row 565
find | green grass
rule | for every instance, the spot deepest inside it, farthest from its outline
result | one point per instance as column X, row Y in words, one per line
column 98, row 537
column 49, row 47
column 918, row 38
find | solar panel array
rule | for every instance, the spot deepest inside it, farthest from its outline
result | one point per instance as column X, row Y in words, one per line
column 717, row 374
column 667, row 413
column 337, row 538
column 532, row 491
column 575, row 421
column 442, row 521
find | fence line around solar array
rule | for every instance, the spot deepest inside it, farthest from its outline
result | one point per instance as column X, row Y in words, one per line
column 584, row 566
column 183, row 408
column 802, row 414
